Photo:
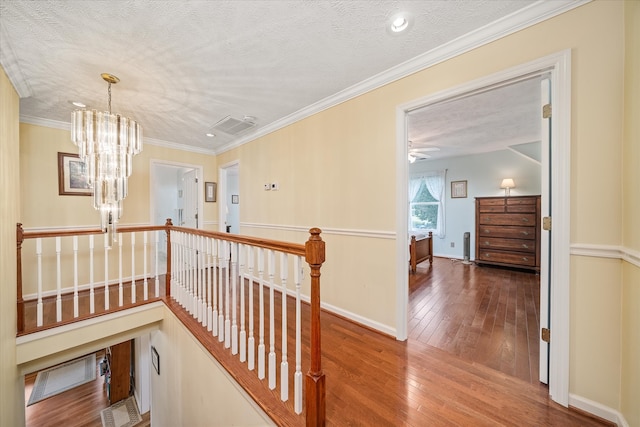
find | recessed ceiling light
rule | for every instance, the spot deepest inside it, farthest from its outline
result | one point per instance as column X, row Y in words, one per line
column 78, row 104
column 400, row 23
column 210, row 135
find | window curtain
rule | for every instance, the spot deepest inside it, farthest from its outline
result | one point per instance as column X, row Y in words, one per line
column 414, row 187
column 435, row 185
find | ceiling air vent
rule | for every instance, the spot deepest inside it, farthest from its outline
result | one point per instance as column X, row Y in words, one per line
column 233, row 126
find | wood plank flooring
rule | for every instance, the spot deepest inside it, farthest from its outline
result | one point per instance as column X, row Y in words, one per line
column 78, row 407
column 375, row 380
column 484, row 315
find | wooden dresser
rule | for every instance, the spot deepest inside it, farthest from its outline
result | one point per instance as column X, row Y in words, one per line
column 508, row 231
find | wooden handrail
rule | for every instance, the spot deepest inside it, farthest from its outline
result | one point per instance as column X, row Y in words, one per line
column 315, row 379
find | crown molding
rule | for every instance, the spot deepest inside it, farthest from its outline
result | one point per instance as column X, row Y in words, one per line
column 517, row 21
column 11, row 68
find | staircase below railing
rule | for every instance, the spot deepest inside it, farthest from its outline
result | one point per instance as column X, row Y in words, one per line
column 237, row 287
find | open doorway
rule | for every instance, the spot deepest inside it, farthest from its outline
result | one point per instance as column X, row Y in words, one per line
column 557, row 66
column 229, row 214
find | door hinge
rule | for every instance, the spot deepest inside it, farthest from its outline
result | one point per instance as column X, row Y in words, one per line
column 196, row 180
column 545, row 335
column 546, row 111
column 546, row 223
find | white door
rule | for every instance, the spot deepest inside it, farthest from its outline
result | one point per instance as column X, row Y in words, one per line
column 190, row 200
column 545, row 238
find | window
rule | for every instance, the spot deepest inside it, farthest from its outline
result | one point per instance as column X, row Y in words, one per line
column 426, row 202
column 424, row 210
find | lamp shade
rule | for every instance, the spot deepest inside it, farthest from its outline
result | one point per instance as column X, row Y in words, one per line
column 507, row 183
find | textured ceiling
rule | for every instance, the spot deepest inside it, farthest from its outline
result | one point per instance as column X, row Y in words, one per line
column 185, row 65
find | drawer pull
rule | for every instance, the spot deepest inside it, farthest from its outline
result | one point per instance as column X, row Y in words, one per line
column 487, row 231
column 524, row 245
column 525, row 233
column 524, row 258
column 487, row 243
column 525, row 219
column 487, row 255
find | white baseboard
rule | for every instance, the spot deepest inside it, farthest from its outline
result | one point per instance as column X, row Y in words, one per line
column 597, row 409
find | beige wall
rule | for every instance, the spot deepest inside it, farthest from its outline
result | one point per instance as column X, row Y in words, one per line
column 11, row 395
column 630, row 389
column 192, row 388
column 336, row 170
column 43, row 207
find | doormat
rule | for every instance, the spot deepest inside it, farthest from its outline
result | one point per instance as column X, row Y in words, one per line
column 121, row 414
column 63, row 377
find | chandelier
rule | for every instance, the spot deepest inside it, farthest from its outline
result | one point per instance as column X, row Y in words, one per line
column 106, row 144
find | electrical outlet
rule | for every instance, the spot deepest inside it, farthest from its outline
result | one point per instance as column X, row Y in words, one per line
column 275, row 186
column 267, row 187
column 453, row 244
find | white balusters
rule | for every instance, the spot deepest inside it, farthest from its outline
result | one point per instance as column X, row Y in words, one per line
column 284, row 364
column 92, row 302
column 120, row 284
column 144, row 268
column 76, row 308
column 297, row 378
column 58, row 282
column 157, row 251
column 251, row 342
column 39, row 307
column 227, row 302
column 107, row 246
column 261, row 349
column 214, row 314
column 234, row 300
column 272, row 322
column 210, row 287
column 203, row 279
column 243, row 333
column 220, row 286
column 133, row 268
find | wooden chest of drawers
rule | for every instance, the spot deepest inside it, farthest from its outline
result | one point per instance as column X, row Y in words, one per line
column 508, row 231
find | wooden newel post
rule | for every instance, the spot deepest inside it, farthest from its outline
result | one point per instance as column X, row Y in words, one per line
column 315, row 380
column 20, row 310
column 167, row 277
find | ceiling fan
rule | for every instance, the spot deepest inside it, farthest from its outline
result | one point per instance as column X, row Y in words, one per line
column 418, row 153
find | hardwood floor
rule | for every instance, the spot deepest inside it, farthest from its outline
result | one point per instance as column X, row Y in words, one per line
column 80, row 406
column 484, row 315
column 375, row 380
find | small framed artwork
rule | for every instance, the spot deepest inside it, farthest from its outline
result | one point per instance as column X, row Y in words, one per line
column 235, row 199
column 210, row 191
column 72, row 180
column 155, row 359
column 458, row 189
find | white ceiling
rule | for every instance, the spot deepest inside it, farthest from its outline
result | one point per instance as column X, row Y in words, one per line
column 185, row 65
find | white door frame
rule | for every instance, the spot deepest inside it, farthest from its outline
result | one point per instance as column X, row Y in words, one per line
column 222, row 193
column 558, row 65
column 152, row 175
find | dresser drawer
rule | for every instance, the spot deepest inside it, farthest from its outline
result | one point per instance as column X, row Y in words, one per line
column 491, row 205
column 521, row 205
column 508, row 244
column 507, row 257
column 508, row 232
column 507, row 219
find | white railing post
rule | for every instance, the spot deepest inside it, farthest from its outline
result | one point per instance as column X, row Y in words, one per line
column 284, row 364
column 234, row 302
column 120, row 284
column 214, row 314
column 243, row 332
column 210, row 287
column 203, row 279
column 39, row 315
column 92, row 306
column 133, row 268
column 272, row 326
column 145, row 294
column 261, row 348
column 227, row 302
column 76, row 307
column 220, row 296
column 251, row 342
column 297, row 379
column 157, row 279
column 106, row 271
column 58, row 282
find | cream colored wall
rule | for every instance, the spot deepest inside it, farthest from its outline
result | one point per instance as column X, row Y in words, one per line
column 336, row 170
column 43, row 207
column 11, row 386
column 192, row 388
column 630, row 389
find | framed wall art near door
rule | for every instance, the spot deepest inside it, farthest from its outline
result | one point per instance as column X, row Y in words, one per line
column 210, row 191
column 458, row 189
column 72, row 180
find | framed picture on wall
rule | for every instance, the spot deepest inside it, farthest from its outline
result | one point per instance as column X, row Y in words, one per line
column 458, row 189
column 71, row 176
column 210, row 191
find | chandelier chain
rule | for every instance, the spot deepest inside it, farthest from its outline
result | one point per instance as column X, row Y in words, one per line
column 109, row 90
